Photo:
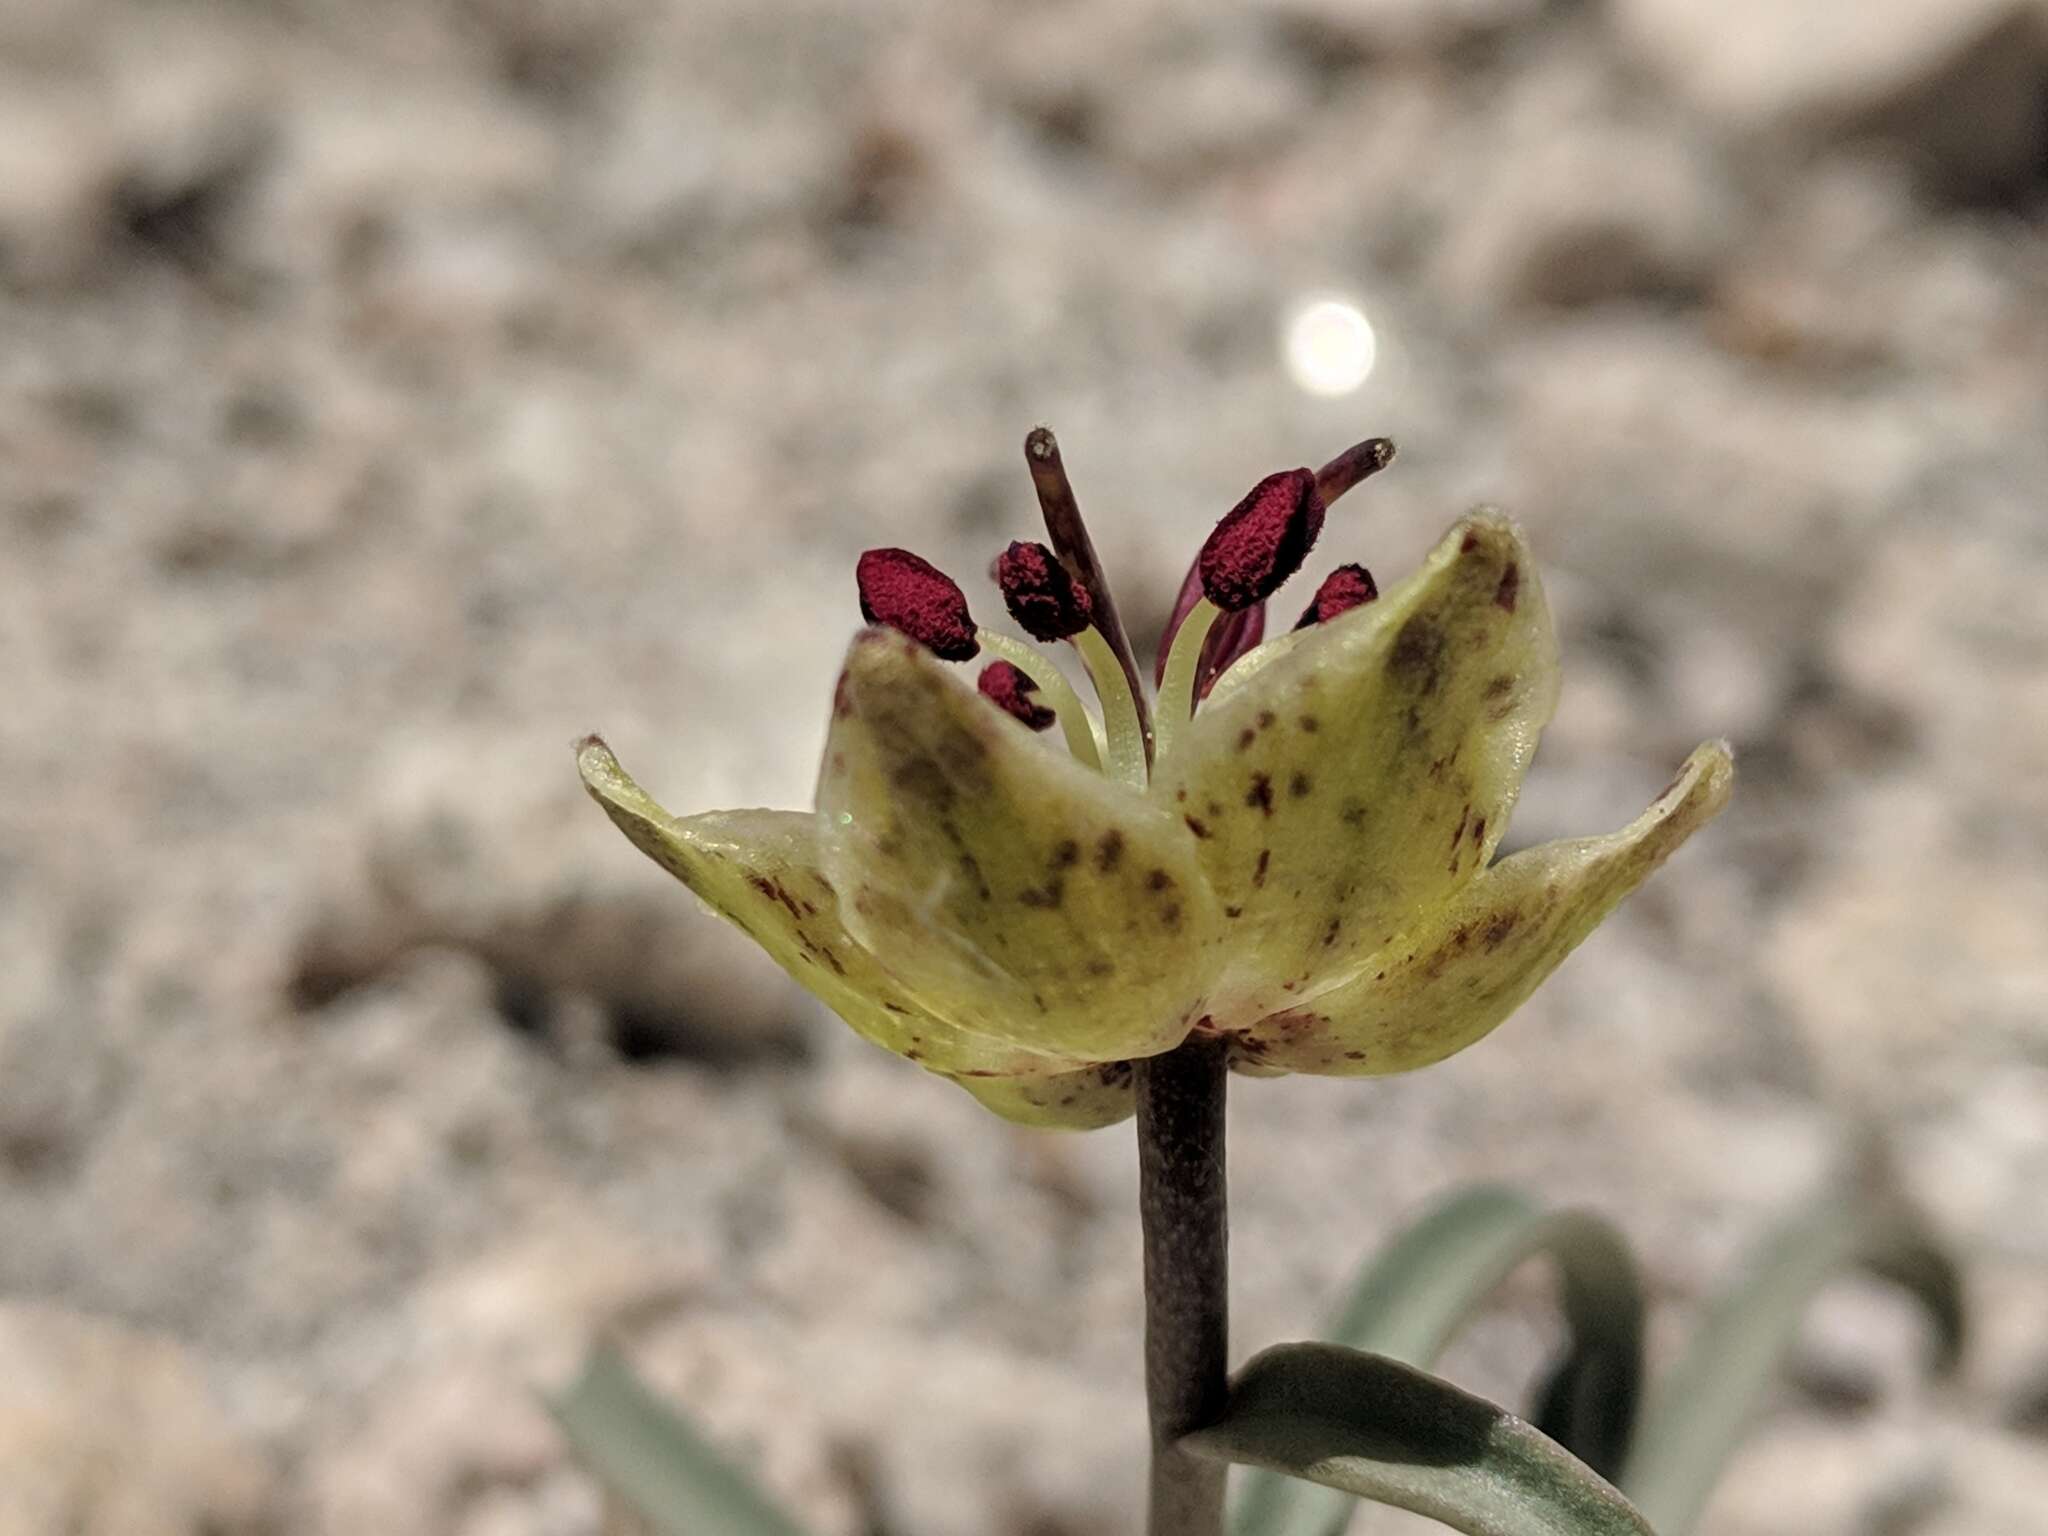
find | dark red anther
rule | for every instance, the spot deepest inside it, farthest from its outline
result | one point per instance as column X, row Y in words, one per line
column 1261, row 541
column 914, row 596
column 1345, row 588
column 1229, row 637
column 1010, row 688
column 1047, row 603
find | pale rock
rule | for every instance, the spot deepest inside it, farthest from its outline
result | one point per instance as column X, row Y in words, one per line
column 106, row 1431
column 1847, row 275
column 1586, row 212
column 535, row 1303
column 1948, row 630
column 59, row 159
column 1960, row 87
column 60, row 1077
column 491, row 846
column 1995, row 1484
column 461, row 1440
column 1835, row 1482
column 884, row 1404
column 1657, row 468
column 370, row 166
column 1887, row 957
column 1346, row 31
column 1204, row 116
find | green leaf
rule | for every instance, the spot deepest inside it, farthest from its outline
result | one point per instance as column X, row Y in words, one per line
column 641, row 1451
column 1695, row 1418
column 1378, row 1429
column 1410, row 1301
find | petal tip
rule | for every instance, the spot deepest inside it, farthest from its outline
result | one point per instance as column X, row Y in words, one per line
column 595, row 761
column 1697, row 793
column 1707, row 780
column 885, row 657
column 1487, row 529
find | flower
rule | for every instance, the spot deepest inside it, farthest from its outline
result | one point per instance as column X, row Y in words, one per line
column 1297, row 855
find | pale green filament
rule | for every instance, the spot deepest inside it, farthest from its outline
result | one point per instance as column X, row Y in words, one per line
column 1083, row 731
column 1124, row 738
column 1177, row 687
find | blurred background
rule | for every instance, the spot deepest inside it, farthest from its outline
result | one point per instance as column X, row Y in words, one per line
column 393, row 390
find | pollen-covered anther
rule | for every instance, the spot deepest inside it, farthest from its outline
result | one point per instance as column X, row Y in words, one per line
column 1262, row 540
column 1010, row 690
column 1041, row 594
column 1345, row 588
column 916, row 598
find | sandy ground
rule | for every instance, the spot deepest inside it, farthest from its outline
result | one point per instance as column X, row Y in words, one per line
column 391, row 392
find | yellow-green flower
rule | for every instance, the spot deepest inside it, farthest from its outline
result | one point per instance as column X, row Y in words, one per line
column 1297, row 855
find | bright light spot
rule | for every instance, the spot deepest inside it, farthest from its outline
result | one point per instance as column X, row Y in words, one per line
column 1330, row 347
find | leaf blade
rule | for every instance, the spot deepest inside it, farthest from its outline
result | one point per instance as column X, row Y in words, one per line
column 1414, row 1295
column 648, row 1456
column 1375, row 1428
column 1693, row 1422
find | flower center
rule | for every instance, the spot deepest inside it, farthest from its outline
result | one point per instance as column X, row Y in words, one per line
column 1058, row 592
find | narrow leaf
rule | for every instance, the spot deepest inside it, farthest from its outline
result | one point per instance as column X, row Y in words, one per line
column 1695, row 1419
column 653, row 1461
column 1409, row 1302
column 1377, row 1429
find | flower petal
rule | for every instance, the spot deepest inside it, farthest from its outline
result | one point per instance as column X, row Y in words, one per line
column 1365, row 768
column 1015, row 890
column 760, row 871
column 1072, row 1101
column 1451, row 979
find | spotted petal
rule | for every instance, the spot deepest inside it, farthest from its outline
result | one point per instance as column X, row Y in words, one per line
column 1472, row 961
column 1071, row 1101
column 1366, row 768
column 1018, row 892
column 760, row 871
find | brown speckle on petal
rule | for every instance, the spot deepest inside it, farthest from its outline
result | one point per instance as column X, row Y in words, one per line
column 1509, row 589
column 1418, row 655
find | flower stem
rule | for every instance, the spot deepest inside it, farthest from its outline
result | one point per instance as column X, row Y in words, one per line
column 1183, row 1204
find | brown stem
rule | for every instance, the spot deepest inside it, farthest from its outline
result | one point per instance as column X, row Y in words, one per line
column 1076, row 550
column 1183, row 1204
column 1359, row 462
